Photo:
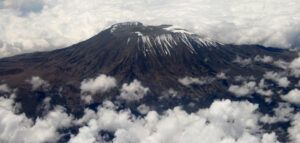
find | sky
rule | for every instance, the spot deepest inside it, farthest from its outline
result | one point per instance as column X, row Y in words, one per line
column 39, row 25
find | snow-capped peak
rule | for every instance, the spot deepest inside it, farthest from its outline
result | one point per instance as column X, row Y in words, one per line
column 162, row 39
column 124, row 25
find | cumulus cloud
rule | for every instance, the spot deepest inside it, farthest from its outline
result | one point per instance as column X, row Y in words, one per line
column 294, row 130
column 170, row 93
column 293, row 96
column 283, row 113
column 31, row 25
column 243, row 78
column 187, row 81
column 133, row 91
column 250, row 87
column 243, row 62
column 269, row 138
column 46, row 104
column 246, row 88
column 279, row 78
column 264, row 59
column 190, row 80
column 4, row 88
column 261, row 59
column 281, row 64
column 143, row 109
column 295, row 67
column 263, row 88
column 37, row 83
column 87, row 98
column 221, row 75
column 17, row 128
column 223, row 121
column 101, row 83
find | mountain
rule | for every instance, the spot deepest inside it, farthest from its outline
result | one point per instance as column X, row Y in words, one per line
column 175, row 67
column 157, row 56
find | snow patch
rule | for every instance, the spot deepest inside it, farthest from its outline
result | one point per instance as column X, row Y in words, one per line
column 177, row 29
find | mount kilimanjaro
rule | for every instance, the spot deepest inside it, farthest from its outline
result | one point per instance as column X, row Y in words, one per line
column 163, row 58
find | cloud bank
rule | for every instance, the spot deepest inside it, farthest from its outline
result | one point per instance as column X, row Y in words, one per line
column 17, row 128
column 223, row 121
column 37, row 25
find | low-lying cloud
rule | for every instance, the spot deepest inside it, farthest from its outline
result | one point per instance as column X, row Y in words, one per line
column 37, row 82
column 101, row 83
column 17, row 128
column 37, row 25
column 133, row 91
column 293, row 96
column 223, row 121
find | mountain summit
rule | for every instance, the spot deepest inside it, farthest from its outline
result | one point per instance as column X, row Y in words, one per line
column 165, row 59
column 158, row 40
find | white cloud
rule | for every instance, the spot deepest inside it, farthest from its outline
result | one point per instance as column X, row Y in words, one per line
column 279, row 78
column 250, row 87
column 243, row 78
column 4, row 88
column 223, row 121
column 293, row 96
column 143, row 109
column 133, row 91
column 243, row 62
column 270, row 138
column 46, row 104
column 17, row 128
column 246, row 88
column 87, row 98
column 264, row 59
column 295, row 67
column 264, row 92
column 190, row 80
column 257, row 58
column 281, row 64
column 22, row 6
column 37, row 83
column 187, row 81
column 221, row 75
column 31, row 25
column 294, row 130
column 102, row 83
column 282, row 113
column 263, row 89
column 170, row 93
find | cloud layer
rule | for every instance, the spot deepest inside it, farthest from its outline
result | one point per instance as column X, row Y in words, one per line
column 17, row 128
column 224, row 121
column 34, row 25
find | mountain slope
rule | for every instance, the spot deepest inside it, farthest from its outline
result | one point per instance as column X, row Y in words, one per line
column 158, row 56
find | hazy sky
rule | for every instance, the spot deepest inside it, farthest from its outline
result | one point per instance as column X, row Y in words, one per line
column 35, row 25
